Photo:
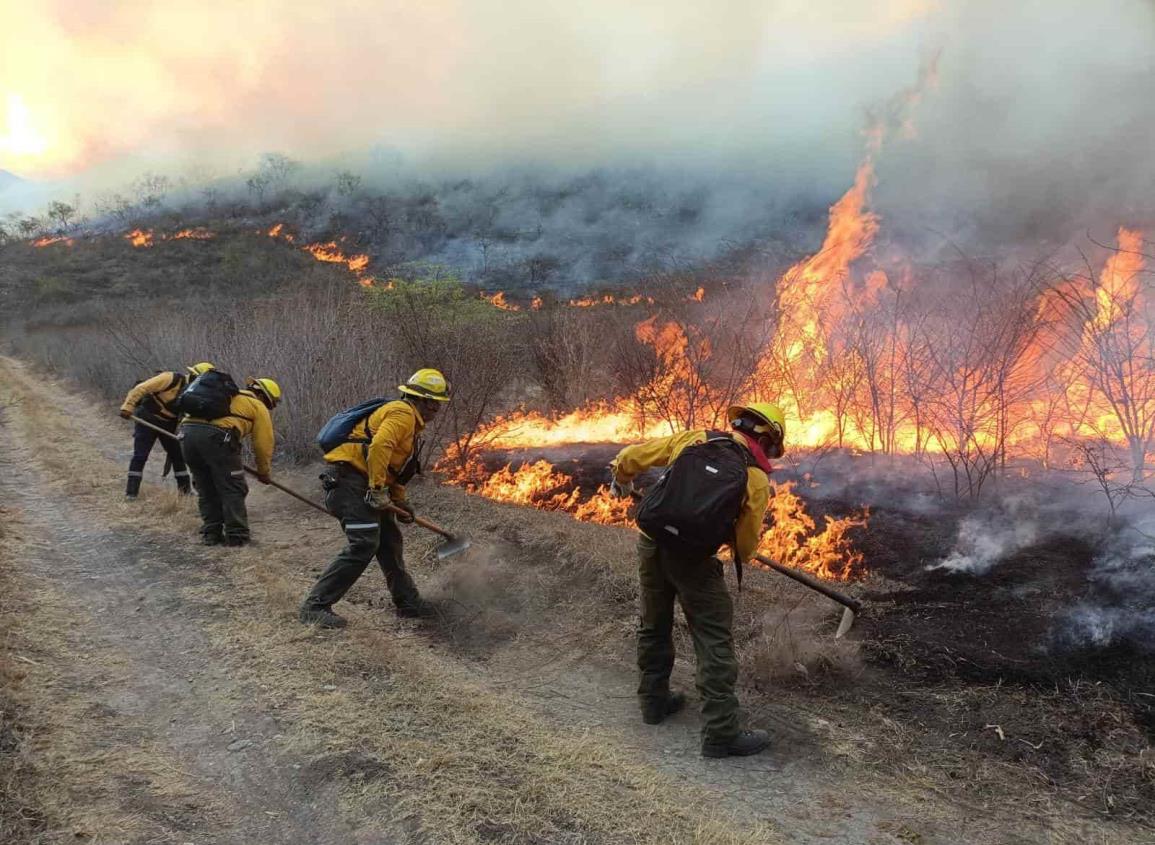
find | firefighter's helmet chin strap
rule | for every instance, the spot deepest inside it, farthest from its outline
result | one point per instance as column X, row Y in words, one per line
column 768, row 437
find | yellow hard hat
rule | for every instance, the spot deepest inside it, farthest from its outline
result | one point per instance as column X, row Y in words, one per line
column 426, row 384
column 268, row 387
column 771, row 416
column 200, row 369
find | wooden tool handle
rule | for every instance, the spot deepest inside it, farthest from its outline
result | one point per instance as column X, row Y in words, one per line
column 811, row 582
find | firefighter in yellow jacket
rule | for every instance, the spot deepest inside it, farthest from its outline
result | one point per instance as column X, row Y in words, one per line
column 697, row 582
column 152, row 400
column 212, row 450
column 365, row 475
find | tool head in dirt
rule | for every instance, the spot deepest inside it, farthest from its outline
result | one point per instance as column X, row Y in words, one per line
column 455, row 544
column 844, row 625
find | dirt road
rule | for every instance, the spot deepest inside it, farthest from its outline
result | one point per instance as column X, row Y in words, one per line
column 163, row 692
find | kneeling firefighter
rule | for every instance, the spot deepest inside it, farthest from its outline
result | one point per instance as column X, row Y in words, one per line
column 373, row 450
column 219, row 417
column 154, row 400
column 715, row 492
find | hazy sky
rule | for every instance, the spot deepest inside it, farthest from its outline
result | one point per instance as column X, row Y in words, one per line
column 769, row 85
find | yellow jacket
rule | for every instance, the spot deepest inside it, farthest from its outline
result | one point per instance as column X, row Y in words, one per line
column 664, row 450
column 248, row 415
column 163, row 388
column 394, row 428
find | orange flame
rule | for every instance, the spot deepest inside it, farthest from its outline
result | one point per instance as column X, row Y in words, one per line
column 139, row 238
column 498, row 300
column 40, row 243
column 192, row 234
column 792, row 538
column 607, row 299
column 330, row 252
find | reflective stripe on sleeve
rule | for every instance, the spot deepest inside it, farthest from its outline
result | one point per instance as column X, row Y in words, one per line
column 361, row 526
column 134, row 474
column 238, row 472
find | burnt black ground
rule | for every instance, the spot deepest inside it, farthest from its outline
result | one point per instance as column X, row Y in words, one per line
column 979, row 661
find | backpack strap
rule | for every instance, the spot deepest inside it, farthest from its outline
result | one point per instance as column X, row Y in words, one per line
column 712, row 436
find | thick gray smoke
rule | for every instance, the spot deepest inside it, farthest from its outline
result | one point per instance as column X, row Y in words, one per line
column 1038, row 126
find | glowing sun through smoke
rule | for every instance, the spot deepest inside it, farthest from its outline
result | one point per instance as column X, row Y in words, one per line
column 20, row 142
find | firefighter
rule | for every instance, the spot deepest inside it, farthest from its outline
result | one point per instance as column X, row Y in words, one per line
column 152, row 400
column 212, row 450
column 685, row 514
column 366, row 473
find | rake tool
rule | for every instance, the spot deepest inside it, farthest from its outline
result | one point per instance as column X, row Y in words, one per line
column 851, row 607
column 454, row 543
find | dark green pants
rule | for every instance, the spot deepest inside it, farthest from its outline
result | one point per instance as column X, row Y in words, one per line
column 700, row 588
column 213, row 456
column 369, row 533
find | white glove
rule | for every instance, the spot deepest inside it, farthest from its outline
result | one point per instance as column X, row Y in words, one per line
column 621, row 490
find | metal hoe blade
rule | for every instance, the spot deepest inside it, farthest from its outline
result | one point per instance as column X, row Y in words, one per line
column 844, row 625
column 454, row 545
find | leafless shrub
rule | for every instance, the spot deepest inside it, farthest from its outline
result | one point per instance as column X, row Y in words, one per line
column 434, row 322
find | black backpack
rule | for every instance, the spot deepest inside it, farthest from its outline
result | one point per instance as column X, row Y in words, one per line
column 693, row 508
column 209, row 397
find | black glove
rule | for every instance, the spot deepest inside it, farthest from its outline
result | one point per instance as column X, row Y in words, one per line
column 408, row 516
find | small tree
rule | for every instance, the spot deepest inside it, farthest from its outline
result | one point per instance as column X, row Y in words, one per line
column 29, row 227
column 62, row 214
column 258, row 184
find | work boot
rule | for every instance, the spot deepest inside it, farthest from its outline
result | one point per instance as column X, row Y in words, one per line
column 656, row 714
column 237, row 541
column 419, row 608
column 322, row 617
column 212, row 539
column 743, row 744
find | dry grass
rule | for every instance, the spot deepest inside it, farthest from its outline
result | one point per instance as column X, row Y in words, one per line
column 455, row 760
column 22, row 781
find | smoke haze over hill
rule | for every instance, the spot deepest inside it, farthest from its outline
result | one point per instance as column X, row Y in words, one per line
column 1041, row 114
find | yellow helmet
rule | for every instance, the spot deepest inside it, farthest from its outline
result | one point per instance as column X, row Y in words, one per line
column 427, row 384
column 269, row 389
column 200, row 369
column 769, row 420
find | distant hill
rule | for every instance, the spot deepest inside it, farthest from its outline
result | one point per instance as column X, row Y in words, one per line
column 8, row 179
